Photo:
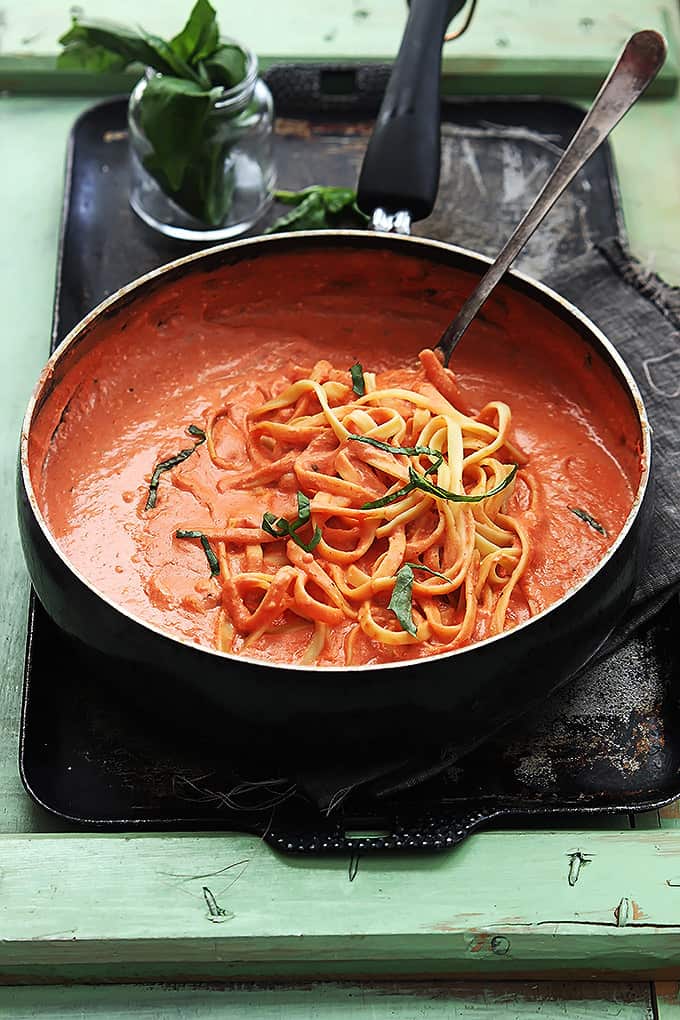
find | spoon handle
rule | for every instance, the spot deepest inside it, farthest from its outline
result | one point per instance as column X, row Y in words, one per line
column 641, row 59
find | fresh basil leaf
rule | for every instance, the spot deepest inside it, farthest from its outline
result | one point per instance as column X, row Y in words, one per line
column 172, row 114
column 423, row 483
column 200, row 36
column 418, row 481
column 358, row 381
column 85, row 44
column 304, row 508
column 401, row 600
column 337, row 199
column 333, row 198
column 82, row 56
column 293, row 197
column 203, row 75
column 207, row 186
column 436, row 456
column 130, row 47
column 273, row 526
column 226, row 66
column 589, row 520
column 178, row 67
column 316, row 208
column 313, row 542
column 310, row 214
column 390, row 498
column 213, row 562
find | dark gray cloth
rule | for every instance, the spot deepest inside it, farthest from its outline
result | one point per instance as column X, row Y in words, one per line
column 640, row 315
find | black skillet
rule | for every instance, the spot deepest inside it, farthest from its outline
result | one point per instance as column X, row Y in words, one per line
column 342, row 712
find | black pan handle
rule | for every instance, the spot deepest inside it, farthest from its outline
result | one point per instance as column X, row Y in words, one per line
column 401, row 166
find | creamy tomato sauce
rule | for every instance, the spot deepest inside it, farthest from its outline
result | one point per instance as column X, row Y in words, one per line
column 125, row 397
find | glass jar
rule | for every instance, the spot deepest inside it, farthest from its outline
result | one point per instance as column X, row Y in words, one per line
column 229, row 173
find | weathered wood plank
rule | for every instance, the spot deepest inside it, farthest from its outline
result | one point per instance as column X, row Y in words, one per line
column 509, row 48
column 31, row 178
column 398, row 1001
column 592, row 903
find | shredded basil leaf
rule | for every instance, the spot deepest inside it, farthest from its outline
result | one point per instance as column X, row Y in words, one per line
column 400, row 603
column 429, row 570
column 386, row 500
column 407, row 451
column 213, row 562
column 420, row 482
column 273, row 527
column 171, row 462
column 282, row 528
column 304, row 508
column 588, row 519
column 358, row 381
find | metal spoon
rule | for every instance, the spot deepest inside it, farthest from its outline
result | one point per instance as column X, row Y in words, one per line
column 640, row 60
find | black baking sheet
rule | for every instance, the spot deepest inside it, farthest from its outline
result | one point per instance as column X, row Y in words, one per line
column 607, row 742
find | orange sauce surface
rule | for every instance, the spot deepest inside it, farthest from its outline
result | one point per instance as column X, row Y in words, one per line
column 125, row 397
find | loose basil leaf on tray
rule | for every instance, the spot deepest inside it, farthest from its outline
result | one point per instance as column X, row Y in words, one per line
column 317, row 208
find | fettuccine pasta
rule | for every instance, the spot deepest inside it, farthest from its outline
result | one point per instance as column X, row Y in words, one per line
column 400, row 530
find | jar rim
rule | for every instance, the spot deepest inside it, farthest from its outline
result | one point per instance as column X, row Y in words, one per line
column 247, row 83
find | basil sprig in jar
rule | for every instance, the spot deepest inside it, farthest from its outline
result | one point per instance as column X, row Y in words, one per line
column 200, row 124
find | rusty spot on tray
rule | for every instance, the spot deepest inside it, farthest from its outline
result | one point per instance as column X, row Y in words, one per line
column 352, row 128
column 292, row 128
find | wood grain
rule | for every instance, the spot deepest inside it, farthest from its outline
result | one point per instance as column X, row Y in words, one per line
column 524, row 47
column 502, row 904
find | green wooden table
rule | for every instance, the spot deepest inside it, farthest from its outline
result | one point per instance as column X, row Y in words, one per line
column 493, row 928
